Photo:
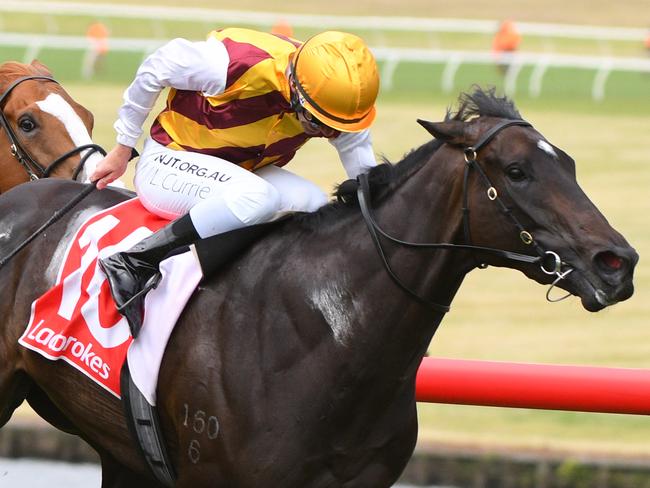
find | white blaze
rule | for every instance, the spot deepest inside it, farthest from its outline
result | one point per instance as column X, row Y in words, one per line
column 56, row 106
column 547, row 148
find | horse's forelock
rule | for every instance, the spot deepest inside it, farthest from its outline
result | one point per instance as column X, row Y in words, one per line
column 12, row 70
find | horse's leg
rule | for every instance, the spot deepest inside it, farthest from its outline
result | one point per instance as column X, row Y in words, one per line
column 14, row 386
column 115, row 475
column 44, row 407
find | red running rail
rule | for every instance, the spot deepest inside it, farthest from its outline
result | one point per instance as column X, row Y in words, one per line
column 541, row 386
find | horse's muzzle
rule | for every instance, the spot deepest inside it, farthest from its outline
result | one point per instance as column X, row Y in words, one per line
column 615, row 265
column 608, row 280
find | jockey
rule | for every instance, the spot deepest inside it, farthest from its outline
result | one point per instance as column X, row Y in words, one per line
column 240, row 105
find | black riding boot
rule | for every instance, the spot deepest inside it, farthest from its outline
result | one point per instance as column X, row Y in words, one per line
column 131, row 274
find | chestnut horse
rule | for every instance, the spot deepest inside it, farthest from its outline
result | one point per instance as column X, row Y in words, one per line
column 295, row 364
column 43, row 131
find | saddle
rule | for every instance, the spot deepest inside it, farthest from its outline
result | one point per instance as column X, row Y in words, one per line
column 76, row 320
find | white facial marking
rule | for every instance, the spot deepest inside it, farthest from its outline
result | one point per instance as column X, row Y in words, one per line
column 329, row 301
column 56, row 106
column 547, row 148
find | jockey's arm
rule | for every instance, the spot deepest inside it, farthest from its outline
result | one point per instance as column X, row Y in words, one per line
column 181, row 64
column 355, row 151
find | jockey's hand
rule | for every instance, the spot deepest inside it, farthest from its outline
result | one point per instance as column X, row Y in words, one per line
column 112, row 166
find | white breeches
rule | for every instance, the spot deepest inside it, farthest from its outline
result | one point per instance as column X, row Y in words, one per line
column 219, row 195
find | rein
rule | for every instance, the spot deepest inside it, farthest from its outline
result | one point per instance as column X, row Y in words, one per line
column 554, row 267
column 34, row 170
column 64, row 210
column 52, row 220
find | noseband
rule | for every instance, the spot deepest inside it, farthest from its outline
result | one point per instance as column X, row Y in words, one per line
column 549, row 261
column 31, row 166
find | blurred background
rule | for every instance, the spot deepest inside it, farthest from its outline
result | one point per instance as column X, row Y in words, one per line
column 579, row 71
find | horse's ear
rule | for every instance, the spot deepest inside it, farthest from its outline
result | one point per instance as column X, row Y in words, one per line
column 452, row 131
column 40, row 68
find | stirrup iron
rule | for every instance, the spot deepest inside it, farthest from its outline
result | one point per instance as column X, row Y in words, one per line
column 151, row 284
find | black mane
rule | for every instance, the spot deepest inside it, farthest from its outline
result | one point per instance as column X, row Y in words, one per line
column 484, row 103
column 386, row 176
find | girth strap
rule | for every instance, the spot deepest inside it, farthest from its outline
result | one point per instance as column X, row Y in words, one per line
column 144, row 424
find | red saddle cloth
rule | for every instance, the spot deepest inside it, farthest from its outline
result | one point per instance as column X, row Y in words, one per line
column 76, row 320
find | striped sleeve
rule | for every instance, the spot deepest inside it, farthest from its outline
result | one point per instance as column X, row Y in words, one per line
column 197, row 66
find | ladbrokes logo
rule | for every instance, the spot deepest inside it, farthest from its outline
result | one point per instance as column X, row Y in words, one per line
column 76, row 320
column 58, row 343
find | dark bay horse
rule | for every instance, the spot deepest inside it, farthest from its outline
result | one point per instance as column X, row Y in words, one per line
column 39, row 125
column 294, row 366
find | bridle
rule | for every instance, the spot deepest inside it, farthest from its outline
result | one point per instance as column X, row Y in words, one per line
column 34, row 170
column 549, row 261
column 31, row 166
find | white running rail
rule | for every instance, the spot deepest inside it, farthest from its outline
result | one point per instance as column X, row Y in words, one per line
column 267, row 19
column 391, row 57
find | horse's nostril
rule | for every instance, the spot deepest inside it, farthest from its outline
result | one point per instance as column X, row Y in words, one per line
column 610, row 262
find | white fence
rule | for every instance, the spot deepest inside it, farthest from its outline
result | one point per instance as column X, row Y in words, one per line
column 391, row 57
column 267, row 19
column 540, row 62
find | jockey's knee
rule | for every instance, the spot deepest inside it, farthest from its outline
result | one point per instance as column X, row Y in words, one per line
column 256, row 203
column 296, row 193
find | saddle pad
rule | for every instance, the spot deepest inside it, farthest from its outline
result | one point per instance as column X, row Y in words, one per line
column 76, row 320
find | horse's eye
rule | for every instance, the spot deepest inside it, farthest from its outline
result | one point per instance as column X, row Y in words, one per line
column 515, row 173
column 26, row 124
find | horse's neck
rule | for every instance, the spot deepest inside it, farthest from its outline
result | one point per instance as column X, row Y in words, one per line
column 368, row 313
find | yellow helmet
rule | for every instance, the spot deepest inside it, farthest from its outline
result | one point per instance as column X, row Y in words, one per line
column 336, row 78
